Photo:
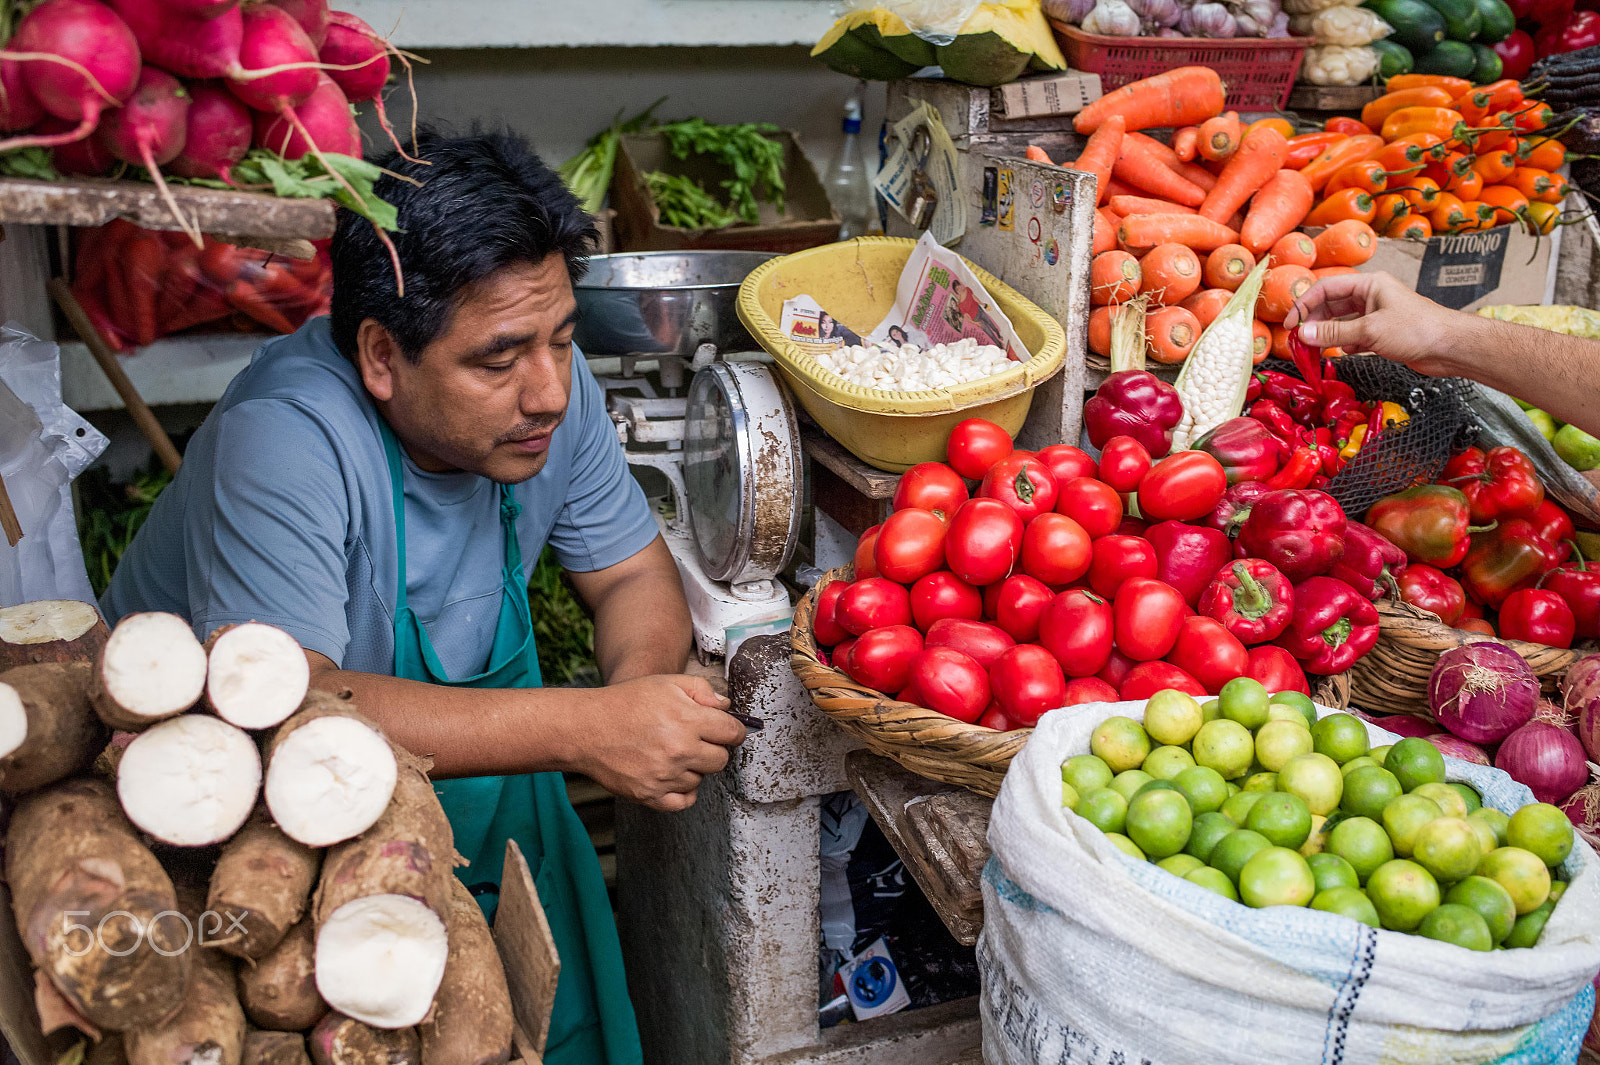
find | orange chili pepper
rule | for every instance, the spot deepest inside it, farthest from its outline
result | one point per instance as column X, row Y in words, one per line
column 1411, row 227
column 1407, row 151
column 1351, row 203
column 1542, row 217
column 1494, row 167
column 1508, row 203
column 1366, row 175
column 1282, row 125
column 1499, row 131
column 1467, row 185
column 1390, row 206
column 1440, row 121
column 1373, row 115
column 1544, row 153
column 1533, row 183
column 1306, row 147
column 1343, row 124
column 1454, row 86
column 1479, row 103
column 1422, row 194
column 1447, row 215
column 1560, row 186
column 1336, row 157
column 1534, row 118
column 1446, row 170
column 1479, row 215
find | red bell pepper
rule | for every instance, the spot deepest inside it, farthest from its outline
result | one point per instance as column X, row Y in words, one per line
column 1370, row 564
column 1275, row 418
column 1134, row 403
column 1537, row 615
column 1553, row 523
column 1333, row 626
column 1428, row 588
column 1320, row 482
column 1300, row 532
column 1188, row 556
column 1303, row 464
column 1252, row 600
column 1510, row 556
column 1429, row 523
column 1335, row 391
column 1499, row 484
column 1230, row 514
column 1247, row 450
column 1579, row 585
column 1332, row 462
column 1340, row 407
column 1276, row 670
column 1297, row 397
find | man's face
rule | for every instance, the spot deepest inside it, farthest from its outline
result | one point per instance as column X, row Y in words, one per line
column 487, row 395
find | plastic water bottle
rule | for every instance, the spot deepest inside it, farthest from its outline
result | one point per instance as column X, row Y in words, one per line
column 849, row 189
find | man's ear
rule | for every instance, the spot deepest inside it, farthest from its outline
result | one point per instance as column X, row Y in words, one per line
column 376, row 356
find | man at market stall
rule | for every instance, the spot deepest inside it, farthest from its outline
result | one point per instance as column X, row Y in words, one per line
column 379, row 483
column 1377, row 313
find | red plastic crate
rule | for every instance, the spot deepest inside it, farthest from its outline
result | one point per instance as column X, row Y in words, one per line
column 1258, row 73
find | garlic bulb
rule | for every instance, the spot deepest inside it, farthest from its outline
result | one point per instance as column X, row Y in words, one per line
column 1112, row 18
column 1208, row 20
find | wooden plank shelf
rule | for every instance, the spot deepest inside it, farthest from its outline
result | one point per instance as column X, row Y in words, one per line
column 96, row 201
column 1332, row 97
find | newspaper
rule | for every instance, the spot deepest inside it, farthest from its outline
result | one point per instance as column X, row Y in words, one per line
column 941, row 166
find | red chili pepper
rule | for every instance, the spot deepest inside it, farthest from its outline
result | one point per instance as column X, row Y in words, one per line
column 1252, row 391
column 1428, row 588
column 1293, row 395
column 1346, row 125
column 1370, row 563
column 1307, row 360
column 1274, row 417
column 1580, row 587
column 1554, row 524
column 1334, row 389
column 1331, row 462
column 1247, row 449
column 1188, row 556
column 1320, row 482
column 1337, row 408
column 1430, row 523
column 1230, row 514
column 1501, row 560
column 1537, row 615
column 1300, row 532
column 1252, row 600
column 1501, row 483
column 1303, row 464
column 1347, row 423
column 1333, row 626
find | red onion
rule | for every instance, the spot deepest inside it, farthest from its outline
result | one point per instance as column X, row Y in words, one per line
column 1405, row 724
column 1546, row 758
column 1582, row 687
column 1482, row 692
column 1456, row 747
column 1583, row 810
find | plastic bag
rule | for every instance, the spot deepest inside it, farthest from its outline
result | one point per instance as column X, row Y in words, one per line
column 1311, row 7
column 1339, row 64
column 935, row 21
column 1341, row 25
column 137, row 285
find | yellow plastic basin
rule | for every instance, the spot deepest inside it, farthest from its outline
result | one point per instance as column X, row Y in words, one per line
column 855, row 282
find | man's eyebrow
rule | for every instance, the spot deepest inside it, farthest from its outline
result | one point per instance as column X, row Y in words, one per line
column 507, row 341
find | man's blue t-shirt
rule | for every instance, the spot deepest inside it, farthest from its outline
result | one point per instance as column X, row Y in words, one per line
column 282, row 513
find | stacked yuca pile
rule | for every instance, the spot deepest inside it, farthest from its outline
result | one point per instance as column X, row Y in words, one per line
column 176, row 898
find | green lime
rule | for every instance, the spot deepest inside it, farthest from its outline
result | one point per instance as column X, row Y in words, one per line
column 1487, row 841
column 1224, row 745
column 1301, row 700
column 1357, row 763
column 1367, row 791
column 1279, row 741
column 1544, row 422
column 1285, row 712
column 1530, row 926
column 1245, row 700
column 1165, row 763
column 1332, row 871
column 1204, row 788
column 1316, row 779
column 1490, row 900
column 1282, row 818
column 1525, row 878
column 1237, row 806
column 1233, row 789
column 1404, row 817
column 1276, row 876
column 1156, row 785
column 1448, row 848
column 1207, row 830
column 1346, row 901
column 1262, row 781
column 1543, row 830
column 1557, row 889
column 1069, row 795
column 1449, row 800
column 1362, row 842
column 1403, row 892
column 1086, row 772
column 1341, row 737
column 1172, row 717
column 1214, row 880
column 1128, row 782
column 1415, row 762
column 1181, row 864
column 1210, row 710
column 1234, row 849
column 1125, row 845
column 1577, row 448
column 1495, row 819
column 1103, row 808
column 1121, row 742
column 1458, row 924
column 1378, row 754
column 1469, row 795
column 1159, row 822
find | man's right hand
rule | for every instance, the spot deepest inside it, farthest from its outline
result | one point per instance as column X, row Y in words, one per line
column 653, row 739
column 1382, row 316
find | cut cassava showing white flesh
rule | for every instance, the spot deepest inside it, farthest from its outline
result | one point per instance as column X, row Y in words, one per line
column 50, row 630
column 191, row 781
column 330, row 773
column 152, row 668
column 48, row 730
column 256, row 675
column 380, row 959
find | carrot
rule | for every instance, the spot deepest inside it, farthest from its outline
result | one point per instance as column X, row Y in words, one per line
column 1543, row 153
column 1390, row 205
column 1126, row 205
column 1293, row 249
column 1206, row 304
column 1283, row 285
column 1105, row 231
column 1171, row 333
column 1038, row 155
column 1373, row 115
column 1280, row 342
column 1260, row 341
column 1276, row 209
column 1333, row 271
column 1141, row 232
column 1120, row 188
column 1100, row 331
column 1307, row 146
column 1228, row 266
column 1143, row 169
column 1494, row 167
column 1336, row 157
column 1219, row 137
column 1351, row 203
column 1100, row 154
column 1114, row 277
column 1171, row 273
column 1186, row 142
column 1401, row 82
column 1508, row 203
column 1185, row 96
column 1160, row 148
column 243, row 296
column 1347, row 243
column 144, row 262
column 1195, row 174
column 1259, row 157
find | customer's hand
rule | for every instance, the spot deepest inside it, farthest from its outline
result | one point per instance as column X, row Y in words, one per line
column 1376, row 313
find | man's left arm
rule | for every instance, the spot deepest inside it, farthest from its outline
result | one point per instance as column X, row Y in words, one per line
column 641, row 620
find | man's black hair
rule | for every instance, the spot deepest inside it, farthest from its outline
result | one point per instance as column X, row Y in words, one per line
column 487, row 202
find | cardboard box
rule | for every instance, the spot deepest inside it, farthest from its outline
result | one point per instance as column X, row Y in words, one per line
column 1061, row 93
column 807, row 219
column 1472, row 270
column 971, row 115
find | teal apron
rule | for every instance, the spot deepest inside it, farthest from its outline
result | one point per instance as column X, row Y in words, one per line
column 593, row 1021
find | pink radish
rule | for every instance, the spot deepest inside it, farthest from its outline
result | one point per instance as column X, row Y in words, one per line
column 198, row 8
column 359, row 61
column 218, row 133
column 312, row 16
column 149, row 130
column 78, row 59
column 18, row 108
column 272, row 38
column 325, row 115
column 85, row 158
column 189, row 45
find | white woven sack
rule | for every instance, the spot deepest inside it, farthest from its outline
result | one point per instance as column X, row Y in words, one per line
column 1088, row 954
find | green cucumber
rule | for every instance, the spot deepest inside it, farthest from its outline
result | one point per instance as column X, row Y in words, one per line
column 1417, row 26
column 1487, row 65
column 1393, row 58
column 1498, row 21
column 1462, row 20
column 1451, row 57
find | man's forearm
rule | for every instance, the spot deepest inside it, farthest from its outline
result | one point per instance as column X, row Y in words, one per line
column 642, row 628
column 1557, row 373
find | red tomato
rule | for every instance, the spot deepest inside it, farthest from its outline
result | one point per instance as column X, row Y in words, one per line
column 951, row 683
column 930, row 486
column 1055, row 549
column 982, row 543
column 1076, row 628
column 865, row 566
column 982, row 641
column 1066, row 462
column 910, row 545
column 1027, row 682
column 881, row 659
column 1116, row 669
column 1277, row 669
column 995, row 718
column 1146, row 616
column 1147, row 678
column 1023, row 484
column 943, row 595
column 1209, row 653
column 839, row 657
column 1089, row 690
column 1020, row 602
column 872, row 604
column 910, row 693
column 1119, row 558
column 975, row 445
column 824, row 626
column 1122, row 462
column 1093, row 504
column 1132, row 527
column 1182, row 487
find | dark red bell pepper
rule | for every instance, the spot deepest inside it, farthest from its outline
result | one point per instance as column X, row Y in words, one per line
column 1335, row 391
column 1297, row 397
column 1370, row 564
column 1428, row 588
column 1252, row 600
column 1537, row 615
column 1303, row 464
column 1501, row 483
column 1134, row 403
column 1230, row 514
column 1579, row 584
column 1430, row 523
column 1554, row 524
column 1503, row 559
column 1299, row 531
column 1247, row 450
column 1274, row 417
column 1188, row 556
column 1333, row 626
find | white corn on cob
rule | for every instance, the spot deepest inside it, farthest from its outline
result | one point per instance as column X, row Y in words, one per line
column 1216, row 374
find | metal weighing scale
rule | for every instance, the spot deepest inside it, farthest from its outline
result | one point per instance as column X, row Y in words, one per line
column 728, row 445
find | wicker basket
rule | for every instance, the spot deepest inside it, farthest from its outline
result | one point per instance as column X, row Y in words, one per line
column 1392, row 678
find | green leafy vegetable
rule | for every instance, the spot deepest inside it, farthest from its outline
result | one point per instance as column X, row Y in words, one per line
column 306, row 179
column 588, row 174
column 28, row 163
column 562, row 628
column 684, row 202
column 755, row 159
column 111, row 514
